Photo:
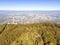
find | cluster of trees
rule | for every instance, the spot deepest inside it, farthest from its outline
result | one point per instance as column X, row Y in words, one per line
column 30, row 34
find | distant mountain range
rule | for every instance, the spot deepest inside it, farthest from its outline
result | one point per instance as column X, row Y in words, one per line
column 22, row 17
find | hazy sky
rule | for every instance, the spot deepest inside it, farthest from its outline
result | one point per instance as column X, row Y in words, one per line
column 29, row 4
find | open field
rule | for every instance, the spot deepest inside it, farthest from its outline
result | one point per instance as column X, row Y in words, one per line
column 44, row 33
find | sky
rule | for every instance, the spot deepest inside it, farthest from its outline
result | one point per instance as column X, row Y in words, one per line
column 29, row 4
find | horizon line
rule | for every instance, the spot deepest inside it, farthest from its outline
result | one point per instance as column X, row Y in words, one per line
column 29, row 10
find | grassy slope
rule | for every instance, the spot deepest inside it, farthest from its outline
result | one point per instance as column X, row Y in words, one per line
column 30, row 34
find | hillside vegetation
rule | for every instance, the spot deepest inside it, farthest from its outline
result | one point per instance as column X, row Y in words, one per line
column 44, row 33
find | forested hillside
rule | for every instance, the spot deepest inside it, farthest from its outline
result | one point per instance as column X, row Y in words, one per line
column 44, row 33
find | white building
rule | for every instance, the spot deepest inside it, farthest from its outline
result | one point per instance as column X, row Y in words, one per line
column 12, row 22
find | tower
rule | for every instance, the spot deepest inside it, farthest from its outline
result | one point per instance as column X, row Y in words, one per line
column 13, row 20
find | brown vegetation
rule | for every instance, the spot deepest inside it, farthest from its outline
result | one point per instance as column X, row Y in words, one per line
column 30, row 34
